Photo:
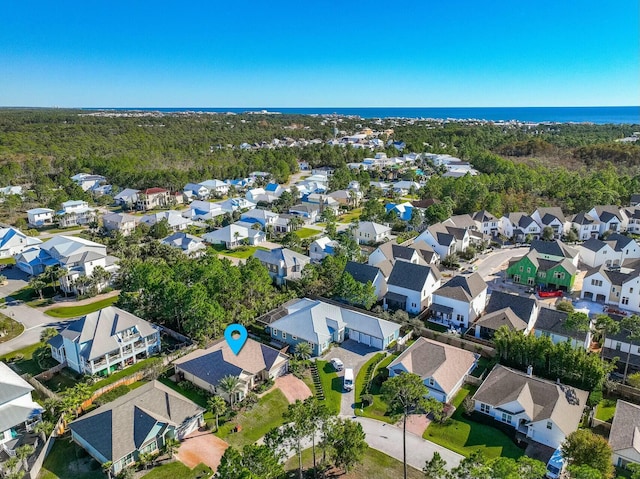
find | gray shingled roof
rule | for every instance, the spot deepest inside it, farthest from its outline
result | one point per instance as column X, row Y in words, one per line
column 593, row 244
column 521, row 306
column 554, row 248
column 362, row 272
column 625, row 429
column 409, row 275
column 462, row 287
column 502, row 317
column 119, row 427
column 541, row 399
column 552, row 320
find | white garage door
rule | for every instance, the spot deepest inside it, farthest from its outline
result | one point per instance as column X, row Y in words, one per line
column 365, row 339
column 355, row 335
column 376, row 343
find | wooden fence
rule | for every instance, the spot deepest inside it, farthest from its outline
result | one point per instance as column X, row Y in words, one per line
column 49, row 373
column 41, row 388
column 482, row 349
column 37, row 460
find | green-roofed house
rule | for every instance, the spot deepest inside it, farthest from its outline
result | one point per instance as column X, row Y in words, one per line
column 550, row 264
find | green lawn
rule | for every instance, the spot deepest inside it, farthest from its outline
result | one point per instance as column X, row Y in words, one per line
column 242, row 252
column 61, row 381
column 606, row 410
column 75, row 311
column 196, row 395
column 122, row 373
column 66, row 460
column 374, row 464
column 7, row 260
column 351, row 215
column 377, row 410
column 303, row 233
column 436, row 327
column 27, row 294
column 484, row 364
column 177, row 470
column 27, row 364
column 255, row 423
column 12, row 328
column 464, row 436
column 331, row 384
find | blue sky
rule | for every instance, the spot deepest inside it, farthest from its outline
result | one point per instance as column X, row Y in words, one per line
column 306, row 53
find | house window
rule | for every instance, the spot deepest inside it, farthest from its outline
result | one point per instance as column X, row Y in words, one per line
column 431, row 382
column 284, row 335
column 596, row 282
column 485, row 408
column 618, row 346
column 506, row 418
column 625, row 300
column 549, row 425
column 541, row 274
column 460, row 318
column 631, row 290
column 521, row 269
column 294, row 337
column 275, row 332
column 528, row 270
column 530, row 281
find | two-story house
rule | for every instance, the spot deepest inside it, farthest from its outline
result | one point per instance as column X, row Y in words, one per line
column 613, row 251
column 624, row 437
column 543, row 411
column 152, row 198
column 548, row 264
column 552, row 323
column 619, row 286
column 309, row 212
column 175, row 220
column 585, row 226
column 519, row 227
column 442, row 368
column 127, row 198
column 14, row 241
column 19, row 413
column 196, row 191
column 104, row 341
column 364, row 273
column 611, row 218
column 459, row 301
column 283, row 264
column 75, row 213
column 552, row 217
column 120, row 222
column 410, row 286
column 39, row 217
column 518, row 313
column 322, row 247
column 369, row 232
column 393, row 252
column 487, row 223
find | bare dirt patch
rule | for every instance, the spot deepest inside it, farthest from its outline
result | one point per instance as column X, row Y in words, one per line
column 201, row 446
column 293, row 388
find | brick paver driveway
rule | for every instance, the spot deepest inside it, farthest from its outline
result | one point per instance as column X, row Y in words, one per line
column 293, row 388
column 201, row 446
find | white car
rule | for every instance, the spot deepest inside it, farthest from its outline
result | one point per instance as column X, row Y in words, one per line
column 337, row 364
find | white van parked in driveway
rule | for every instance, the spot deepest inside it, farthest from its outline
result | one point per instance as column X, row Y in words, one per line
column 348, row 379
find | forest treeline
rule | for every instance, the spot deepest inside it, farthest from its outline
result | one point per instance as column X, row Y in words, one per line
column 44, row 148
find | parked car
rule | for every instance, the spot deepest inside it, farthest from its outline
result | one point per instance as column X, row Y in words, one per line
column 337, row 364
column 348, row 379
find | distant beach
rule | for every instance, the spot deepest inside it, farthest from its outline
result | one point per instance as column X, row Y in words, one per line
column 598, row 115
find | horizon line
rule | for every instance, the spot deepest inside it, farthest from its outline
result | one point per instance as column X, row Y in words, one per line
column 307, row 107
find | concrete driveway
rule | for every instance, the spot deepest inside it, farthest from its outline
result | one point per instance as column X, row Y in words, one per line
column 354, row 355
column 16, row 278
column 201, row 446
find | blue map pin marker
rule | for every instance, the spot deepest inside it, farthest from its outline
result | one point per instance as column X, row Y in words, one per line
column 235, row 343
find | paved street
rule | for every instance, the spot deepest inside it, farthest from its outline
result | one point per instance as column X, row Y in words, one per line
column 388, row 439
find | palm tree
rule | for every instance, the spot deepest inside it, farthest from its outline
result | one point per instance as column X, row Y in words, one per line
column 303, row 351
column 217, row 406
column 44, row 428
column 632, row 325
column 106, row 468
column 101, row 276
column 37, row 284
column 230, row 385
column 171, row 445
column 23, row 453
column 606, row 326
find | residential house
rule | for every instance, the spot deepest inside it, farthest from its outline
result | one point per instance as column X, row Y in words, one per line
column 402, row 211
column 216, row 187
column 551, row 323
column 10, row 190
column 427, row 253
column 320, row 324
column 264, row 218
column 75, row 213
column 633, row 217
column 105, row 341
column 552, row 217
column 585, row 226
column 19, row 413
column 175, row 220
column 519, row 227
column 255, row 364
column 613, row 251
column 544, row 411
column 404, row 187
column 624, row 437
column 121, row 222
column 410, row 286
column 635, row 200
column 189, row 244
column 203, row 210
column 322, row 247
column 444, row 239
column 323, row 201
column 364, row 273
column 88, row 181
column 127, row 198
column 368, row 232
column 140, row 422
column 283, row 264
column 391, row 251
column 548, row 264
column 38, row 217
column 486, row 223
column 518, row 313
column 14, row 241
column 259, row 195
column 152, row 198
column 349, row 197
column 459, row 301
column 235, row 235
column 237, row 203
column 442, row 368
column 77, row 256
column 619, row 286
column 611, row 218
column 196, row 191
column 622, row 346
column 307, row 211
column 283, row 223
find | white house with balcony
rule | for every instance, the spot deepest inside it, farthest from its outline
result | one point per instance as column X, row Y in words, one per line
column 460, row 300
column 74, row 213
column 38, row 217
column 14, row 241
column 104, row 341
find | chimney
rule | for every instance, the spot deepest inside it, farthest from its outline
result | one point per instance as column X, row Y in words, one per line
column 529, row 370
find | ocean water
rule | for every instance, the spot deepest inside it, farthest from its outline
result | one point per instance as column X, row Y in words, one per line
column 588, row 114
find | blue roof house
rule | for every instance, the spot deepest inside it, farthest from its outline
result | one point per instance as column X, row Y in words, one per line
column 402, row 210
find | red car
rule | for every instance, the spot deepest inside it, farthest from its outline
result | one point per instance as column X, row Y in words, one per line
column 551, row 294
